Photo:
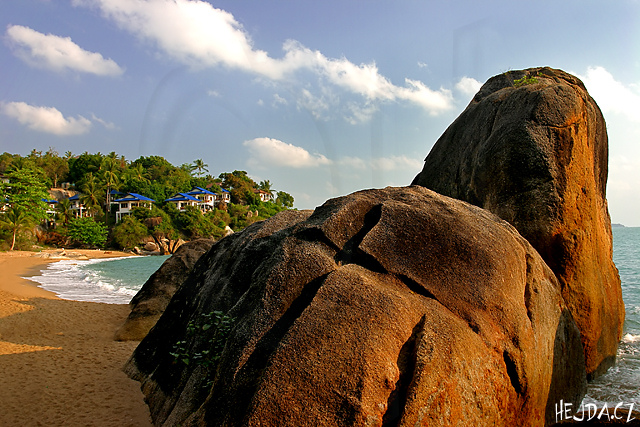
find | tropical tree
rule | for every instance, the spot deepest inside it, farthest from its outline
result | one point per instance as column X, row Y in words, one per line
column 54, row 166
column 284, row 199
column 265, row 185
column 199, row 165
column 65, row 213
column 87, row 231
column 110, row 174
column 26, row 189
column 81, row 165
column 15, row 219
column 240, row 186
column 129, row 232
column 91, row 196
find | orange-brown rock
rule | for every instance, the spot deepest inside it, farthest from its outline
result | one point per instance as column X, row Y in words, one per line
column 385, row 307
column 532, row 148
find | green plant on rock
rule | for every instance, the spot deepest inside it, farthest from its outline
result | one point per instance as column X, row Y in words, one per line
column 524, row 81
column 213, row 347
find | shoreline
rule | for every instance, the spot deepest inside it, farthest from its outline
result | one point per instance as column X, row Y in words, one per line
column 60, row 363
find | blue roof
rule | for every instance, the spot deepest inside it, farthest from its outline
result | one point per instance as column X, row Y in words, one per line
column 49, row 201
column 200, row 190
column 225, row 190
column 182, row 197
column 134, row 197
column 75, row 197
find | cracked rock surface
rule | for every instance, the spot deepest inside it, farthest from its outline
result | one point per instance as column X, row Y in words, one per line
column 385, row 307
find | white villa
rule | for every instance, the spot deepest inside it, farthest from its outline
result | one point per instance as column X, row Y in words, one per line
column 204, row 199
column 265, row 196
column 182, row 200
column 130, row 201
column 77, row 207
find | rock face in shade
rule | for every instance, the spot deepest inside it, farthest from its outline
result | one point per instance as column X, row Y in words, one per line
column 385, row 307
column 150, row 302
column 532, row 148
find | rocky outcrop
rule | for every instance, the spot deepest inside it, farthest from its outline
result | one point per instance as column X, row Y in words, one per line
column 150, row 302
column 385, row 307
column 532, row 148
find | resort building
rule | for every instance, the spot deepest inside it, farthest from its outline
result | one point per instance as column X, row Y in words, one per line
column 202, row 198
column 77, row 207
column 130, row 201
column 182, row 200
column 208, row 199
column 51, row 206
column 265, row 196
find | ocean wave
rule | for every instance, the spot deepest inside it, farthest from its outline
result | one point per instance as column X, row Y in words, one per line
column 630, row 338
column 107, row 280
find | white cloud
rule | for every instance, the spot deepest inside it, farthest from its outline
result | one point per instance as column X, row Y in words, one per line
column 195, row 33
column 612, row 95
column 106, row 124
column 269, row 152
column 317, row 106
column 468, row 86
column 46, row 119
column 361, row 113
column 278, row 100
column 58, row 53
column 192, row 32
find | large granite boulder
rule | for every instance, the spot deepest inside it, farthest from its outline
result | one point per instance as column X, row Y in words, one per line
column 385, row 307
column 532, row 148
column 150, row 302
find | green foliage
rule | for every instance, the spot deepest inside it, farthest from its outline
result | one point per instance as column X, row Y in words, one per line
column 63, row 208
column 83, row 164
column 284, row 200
column 26, row 189
column 208, row 357
column 240, row 186
column 94, row 175
column 219, row 218
column 92, row 194
column 199, row 166
column 14, row 220
column 194, row 224
column 54, row 166
column 87, row 231
column 526, row 80
column 129, row 232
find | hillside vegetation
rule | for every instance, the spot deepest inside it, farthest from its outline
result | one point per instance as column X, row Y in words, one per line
column 27, row 182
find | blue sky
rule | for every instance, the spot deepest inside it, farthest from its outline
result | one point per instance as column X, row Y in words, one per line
column 321, row 98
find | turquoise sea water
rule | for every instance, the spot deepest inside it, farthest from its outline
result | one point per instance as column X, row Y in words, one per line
column 110, row 280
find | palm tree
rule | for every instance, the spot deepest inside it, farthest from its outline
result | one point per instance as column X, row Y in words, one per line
column 64, row 210
column 266, row 186
column 199, row 165
column 16, row 218
column 136, row 173
column 110, row 170
column 91, row 196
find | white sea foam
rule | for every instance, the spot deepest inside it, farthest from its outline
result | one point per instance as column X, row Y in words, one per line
column 108, row 280
column 630, row 338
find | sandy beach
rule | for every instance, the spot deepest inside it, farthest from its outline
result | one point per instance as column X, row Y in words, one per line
column 58, row 361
